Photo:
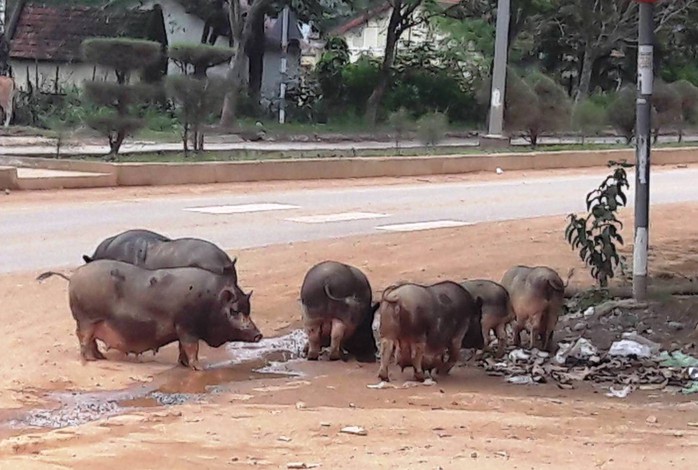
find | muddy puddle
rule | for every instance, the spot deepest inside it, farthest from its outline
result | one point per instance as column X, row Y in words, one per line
column 269, row 359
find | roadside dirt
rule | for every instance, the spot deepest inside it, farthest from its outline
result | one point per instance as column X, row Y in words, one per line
column 467, row 419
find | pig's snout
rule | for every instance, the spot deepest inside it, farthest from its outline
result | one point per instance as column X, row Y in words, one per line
column 258, row 337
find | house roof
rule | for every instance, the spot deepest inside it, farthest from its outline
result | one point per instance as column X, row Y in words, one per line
column 363, row 18
column 55, row 33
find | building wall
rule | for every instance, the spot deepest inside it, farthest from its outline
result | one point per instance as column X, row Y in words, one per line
column 68, row 74
column 370, row 38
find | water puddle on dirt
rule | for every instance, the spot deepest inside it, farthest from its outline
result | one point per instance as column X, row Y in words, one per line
column 270, row 358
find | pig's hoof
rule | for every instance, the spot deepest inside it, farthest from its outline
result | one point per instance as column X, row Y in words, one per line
column 335, row 356
column 196, row 366
column 313, row 356
column 419, row 377
column 384, row 377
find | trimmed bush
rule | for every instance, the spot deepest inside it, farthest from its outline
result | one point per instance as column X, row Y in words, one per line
column 431, row 128
column 666, row 102
column 195, row 59
column 588, row 118
column 688, row 93
column 621, row 112
column 124, row 56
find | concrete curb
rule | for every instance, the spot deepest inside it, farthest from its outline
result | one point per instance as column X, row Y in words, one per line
column 157, row 174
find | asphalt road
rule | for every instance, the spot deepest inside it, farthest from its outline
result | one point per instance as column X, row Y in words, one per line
column 36, row 236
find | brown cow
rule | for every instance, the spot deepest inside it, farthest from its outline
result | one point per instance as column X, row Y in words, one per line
column 7, row 95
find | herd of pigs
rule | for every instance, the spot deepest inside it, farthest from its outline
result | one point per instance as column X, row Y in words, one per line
column 141, row 290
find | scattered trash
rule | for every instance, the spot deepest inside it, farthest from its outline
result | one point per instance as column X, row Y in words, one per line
column 355, row 430
column 678, row 434
column 654, row 347
column 300, row 405
column 651, row 419
column 302, row 465
column 519, row 355
column 693, row 373
column 589, row 312
column 627, row 347
column 499, row 171
column 501, row 453
column 283, row 439
column 677, row 359
column 676, row 326
column 581, row 349
column 381, row 385
column 325, row 424
column 413, row 383
column 693, row 388
column 429, row 381
column 619, row 393
column 521, row 380
column 692, row 425
column 473, row 455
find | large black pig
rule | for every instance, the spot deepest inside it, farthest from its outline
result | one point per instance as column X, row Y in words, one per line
column 134, row 310
column 338, row 311
column 151, row 250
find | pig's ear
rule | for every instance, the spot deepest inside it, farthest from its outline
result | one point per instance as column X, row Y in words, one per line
column 249, row 294
column 374, row 307
column 233, row 261
column 227, row 296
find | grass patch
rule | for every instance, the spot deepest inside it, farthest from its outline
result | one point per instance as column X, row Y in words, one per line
column 252, row 155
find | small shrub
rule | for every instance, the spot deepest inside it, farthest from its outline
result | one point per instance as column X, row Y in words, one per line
column 358, row 80
column 431, row 128
column 589, row 118
column 621, row 112
column 196, row 59
column 551, row 108
column 329, row 68
column 400, row 122
column 597, row 235
column 688, row 94
column 666, row 102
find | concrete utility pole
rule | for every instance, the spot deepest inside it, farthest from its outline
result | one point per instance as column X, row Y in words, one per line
column 284, row 65
column 499, row 71
column 643, row 145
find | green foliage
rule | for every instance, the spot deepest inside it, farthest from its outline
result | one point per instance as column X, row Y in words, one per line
column 50, row 111
column 597, row 235
column 121, row 54
column 358, row 80
column 431, row 128
column 621, row 112
column 329, row 69
column 113, row 94
column 588, row 117
column 198, row 57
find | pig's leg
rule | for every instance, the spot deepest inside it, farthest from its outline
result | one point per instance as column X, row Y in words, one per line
column 189, row 354
column 519, row 326
column 88, row 344
column 417, row 358
column 501, row 333
column 453, row 356
column 314, row 341
column 387, row 348
column 336, row 337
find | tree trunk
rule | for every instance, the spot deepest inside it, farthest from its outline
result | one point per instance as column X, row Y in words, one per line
column 255, row 54
column 243, row 36
column 393, row 35
column 585, row 76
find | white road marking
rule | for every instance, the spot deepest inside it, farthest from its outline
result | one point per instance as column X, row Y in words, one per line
column 423, row 225
column 338, row 217
column 242, row 208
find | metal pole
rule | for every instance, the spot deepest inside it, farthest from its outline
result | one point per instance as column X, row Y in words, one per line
column 284, row 65
column 643, row 144
column 499, row 71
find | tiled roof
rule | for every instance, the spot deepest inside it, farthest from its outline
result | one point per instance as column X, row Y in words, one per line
column 55, row 33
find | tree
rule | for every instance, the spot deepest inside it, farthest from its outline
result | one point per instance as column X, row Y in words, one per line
column 197, row 95
column 404, row 15
column 117, row 118
column 593, row 28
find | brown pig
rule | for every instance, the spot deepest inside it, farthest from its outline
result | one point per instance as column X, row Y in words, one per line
column 337, row 309
column 424, row 324
column 497, row 312
column 537, row 296
column 134, row 310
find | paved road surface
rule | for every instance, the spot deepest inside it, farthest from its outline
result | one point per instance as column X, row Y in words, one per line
column 44, row 236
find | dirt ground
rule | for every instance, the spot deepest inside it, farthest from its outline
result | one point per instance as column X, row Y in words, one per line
column 254, row 420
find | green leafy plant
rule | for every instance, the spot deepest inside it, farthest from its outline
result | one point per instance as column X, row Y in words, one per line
column 597, row 235
column 588, row 118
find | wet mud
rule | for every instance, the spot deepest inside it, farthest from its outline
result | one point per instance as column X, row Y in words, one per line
column 271, row 358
